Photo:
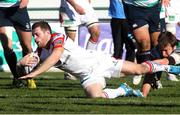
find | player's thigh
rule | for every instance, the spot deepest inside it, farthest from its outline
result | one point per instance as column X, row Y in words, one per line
column 21, row 19
column 4, row 18
column 142, row 33
column 154, row 38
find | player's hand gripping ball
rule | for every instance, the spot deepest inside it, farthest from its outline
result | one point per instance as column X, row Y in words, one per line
column 29, row 69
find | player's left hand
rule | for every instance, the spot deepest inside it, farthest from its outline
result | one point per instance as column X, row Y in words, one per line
column 28, row 76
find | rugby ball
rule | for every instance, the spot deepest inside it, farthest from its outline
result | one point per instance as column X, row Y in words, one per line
column 28, row 69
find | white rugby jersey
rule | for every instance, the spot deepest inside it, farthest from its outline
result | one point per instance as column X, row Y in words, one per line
column 76, row 60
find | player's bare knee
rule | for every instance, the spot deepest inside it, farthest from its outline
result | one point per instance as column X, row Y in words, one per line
column 95, row 95
column 94, row 35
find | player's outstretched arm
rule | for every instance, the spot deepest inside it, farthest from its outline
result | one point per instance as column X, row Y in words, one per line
column 47, row 64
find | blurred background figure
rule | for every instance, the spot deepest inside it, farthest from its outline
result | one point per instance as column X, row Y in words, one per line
column 120, row 31
column 144, row 19
column 74, row 13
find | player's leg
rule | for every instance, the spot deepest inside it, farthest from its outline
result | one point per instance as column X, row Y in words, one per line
column 92, row 23
column 10, row 56
column 94, row 88
column 6, row 41
column 147, row 67
column 116, row 28
column 71, row 33
column 94, row 31
column 144, row 44
column 123, row 90
column 135, row 69
column 143, row 49
column 146, row 89
column 25, row 38
column 21, row 23
column 148, row 83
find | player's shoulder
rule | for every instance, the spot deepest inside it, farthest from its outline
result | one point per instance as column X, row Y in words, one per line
column 57, row 40
column 57, row 35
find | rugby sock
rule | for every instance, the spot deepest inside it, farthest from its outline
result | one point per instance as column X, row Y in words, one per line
column 91, row 45
column 155, row 67
column 113, row 93
column 11, row 61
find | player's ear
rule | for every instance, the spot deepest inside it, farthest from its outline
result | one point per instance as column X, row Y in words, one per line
column 48, row 32
column 174, row 47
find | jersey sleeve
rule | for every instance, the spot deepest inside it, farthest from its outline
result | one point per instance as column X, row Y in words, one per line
column 57, row 40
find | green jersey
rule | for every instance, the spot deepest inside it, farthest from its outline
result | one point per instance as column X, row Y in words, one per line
column 143, row 3
column 9, row 3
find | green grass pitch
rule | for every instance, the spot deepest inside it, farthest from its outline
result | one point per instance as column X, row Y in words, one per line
column 54, row 95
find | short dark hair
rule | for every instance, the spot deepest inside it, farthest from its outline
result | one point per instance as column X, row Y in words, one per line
column 43, row 25
column 166, row 38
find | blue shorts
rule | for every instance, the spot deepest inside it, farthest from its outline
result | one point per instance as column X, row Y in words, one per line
column 14, row 16
column 140, row 16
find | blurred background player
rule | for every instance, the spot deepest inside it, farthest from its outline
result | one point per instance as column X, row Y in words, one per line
column 144, row 19
column 120, row 31
column 74, row 13
column 173, row 16
column 14, row 13
column 90, row 66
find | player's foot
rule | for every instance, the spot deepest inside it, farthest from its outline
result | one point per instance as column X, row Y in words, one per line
column 31, row 84
column 159, row 84
column 128, row 90
column 174, row 69
column 172, row 77
column 137, row 79
column 137, row 93
column 68, row 76
column 18, row 83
